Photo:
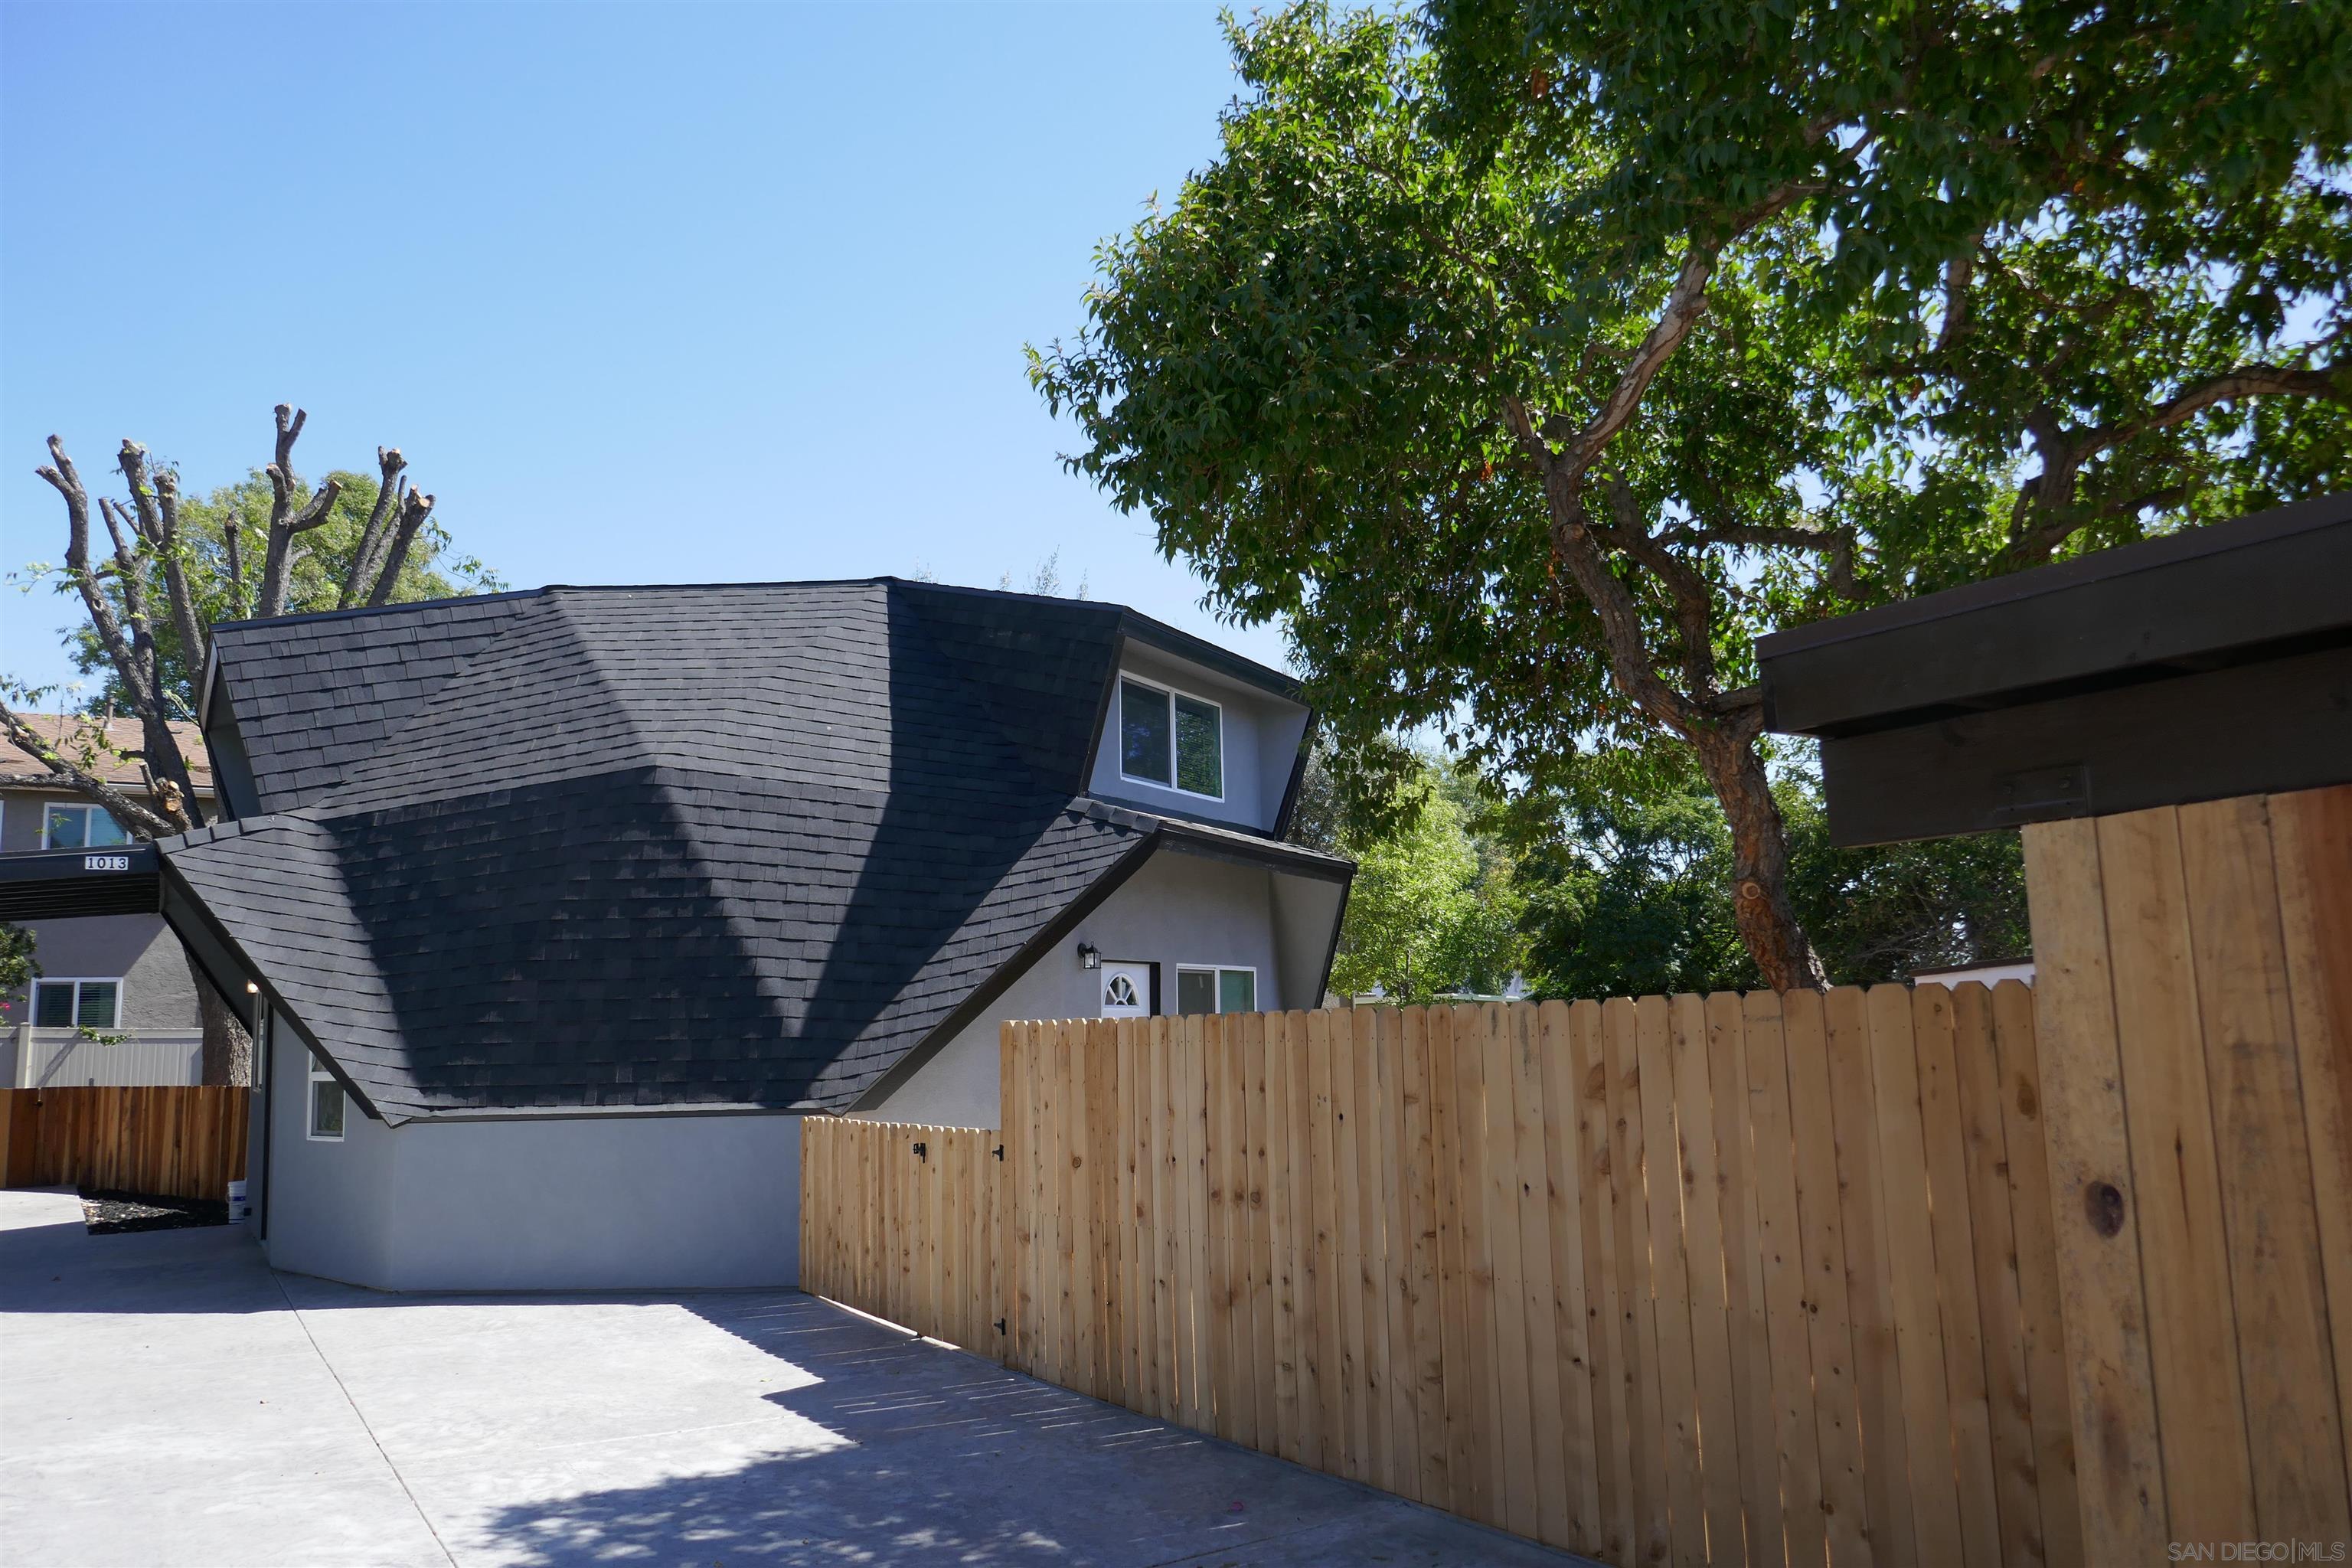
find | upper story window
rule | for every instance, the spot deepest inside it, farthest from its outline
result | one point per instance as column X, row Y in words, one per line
column 80, row 827
column 1170, row 738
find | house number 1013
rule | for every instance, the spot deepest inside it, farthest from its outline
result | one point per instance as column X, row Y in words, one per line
column 106, row 862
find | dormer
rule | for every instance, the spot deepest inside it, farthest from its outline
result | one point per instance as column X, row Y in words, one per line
column 1189, row 731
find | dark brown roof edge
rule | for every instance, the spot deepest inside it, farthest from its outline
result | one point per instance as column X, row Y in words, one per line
column 2123, row 561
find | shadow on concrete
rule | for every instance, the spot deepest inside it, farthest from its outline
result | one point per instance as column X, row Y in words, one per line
column 538, row 1441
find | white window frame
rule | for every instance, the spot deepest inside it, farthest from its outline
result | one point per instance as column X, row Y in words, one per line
column 1175, row 768
column 33, row 998
column 49, row 806
column 316, row 1076
column 1219, row 970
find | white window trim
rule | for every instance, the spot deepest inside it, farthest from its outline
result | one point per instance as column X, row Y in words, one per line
column 1175, row 771
column 33, row 999
column 85, row 808
column 1219, row 970
column 319, row 1075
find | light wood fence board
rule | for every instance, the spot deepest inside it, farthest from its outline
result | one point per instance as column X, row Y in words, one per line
column 2008, row 1385
column 1513, row 1424
column 1613, row 1372
column 1822, row 1232
column 1560, row 1126
column 2278, row 1290
column 2311, row 833
column 1796, row 1426
column 1667, row 1180
column 1347, row 1249
column 1750, row 1340
column 1870, row 1302
column 2208, row 1472
column 1538, row 1287
column 1960, row 1316
column 1422, row 1156
column 2037, row 1272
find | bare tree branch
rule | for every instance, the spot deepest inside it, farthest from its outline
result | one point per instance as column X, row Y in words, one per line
column 414, row 507
column 375, row 539
column 159, row 518
column 285, row 520
column 231, row 541
column 67, row 775
column 66, row 481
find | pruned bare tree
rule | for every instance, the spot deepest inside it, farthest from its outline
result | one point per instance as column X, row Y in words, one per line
column 149, row 549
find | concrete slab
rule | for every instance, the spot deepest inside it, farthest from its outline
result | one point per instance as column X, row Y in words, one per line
column 168, row 1399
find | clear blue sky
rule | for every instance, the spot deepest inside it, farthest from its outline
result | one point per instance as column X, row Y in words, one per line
column 657, row 294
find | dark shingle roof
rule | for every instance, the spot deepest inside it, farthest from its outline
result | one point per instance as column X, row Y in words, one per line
column 651, row 846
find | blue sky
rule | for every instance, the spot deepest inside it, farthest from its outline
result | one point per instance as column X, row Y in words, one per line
column 674, row 294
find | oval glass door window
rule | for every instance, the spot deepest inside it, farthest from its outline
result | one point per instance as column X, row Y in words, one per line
column 1126, row 990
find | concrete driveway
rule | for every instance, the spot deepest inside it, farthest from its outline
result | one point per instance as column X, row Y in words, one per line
column 165, row 1398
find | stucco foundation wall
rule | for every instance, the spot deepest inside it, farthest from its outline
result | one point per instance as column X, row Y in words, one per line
column 586, row 1204
column 326, row 1202
column 1178, row 909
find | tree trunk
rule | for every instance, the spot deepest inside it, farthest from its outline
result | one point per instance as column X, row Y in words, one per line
column 228, row 1048
column 1759, row 853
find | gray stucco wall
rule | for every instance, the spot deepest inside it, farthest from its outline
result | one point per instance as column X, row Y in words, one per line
column 1178, row 909
column 158, row 993
column 584, row 1203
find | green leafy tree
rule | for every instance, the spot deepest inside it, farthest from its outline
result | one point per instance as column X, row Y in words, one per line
column 1434, row 908
column 18, row 968
column 1531, row 358
column 1628, row 891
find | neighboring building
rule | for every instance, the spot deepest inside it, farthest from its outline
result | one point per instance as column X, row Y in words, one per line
column 567, row 905
column 1988, row 972
column 121, row 976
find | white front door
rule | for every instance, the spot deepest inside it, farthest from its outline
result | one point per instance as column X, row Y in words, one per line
column 1127, row 991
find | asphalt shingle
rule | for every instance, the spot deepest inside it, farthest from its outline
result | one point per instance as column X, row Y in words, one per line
column 731, row 844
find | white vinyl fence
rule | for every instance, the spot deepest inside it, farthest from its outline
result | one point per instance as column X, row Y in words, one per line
column 61, row 1058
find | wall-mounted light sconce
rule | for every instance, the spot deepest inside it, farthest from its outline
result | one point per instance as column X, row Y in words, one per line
column 251, row 989
column 1089, row 955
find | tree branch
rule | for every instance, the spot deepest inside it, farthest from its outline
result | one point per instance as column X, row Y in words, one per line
column 285, row 520
column 373, row 538
column 1621, row 621
column 135, row 818
column 1693, row 604
column 159, row 518
column 232, row 543
column 66, row 481
column 2045, row 514
column 414, row 507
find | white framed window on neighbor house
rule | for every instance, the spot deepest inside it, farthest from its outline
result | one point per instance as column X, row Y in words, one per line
column 63, row 1003
column 326, row 1105
column 1222, row 988
column 66, row 826
column 1171, row 738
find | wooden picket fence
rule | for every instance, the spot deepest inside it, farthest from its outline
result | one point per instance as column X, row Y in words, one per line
column 899, row 1220
column 1717, row 1278
column 161, row 1141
